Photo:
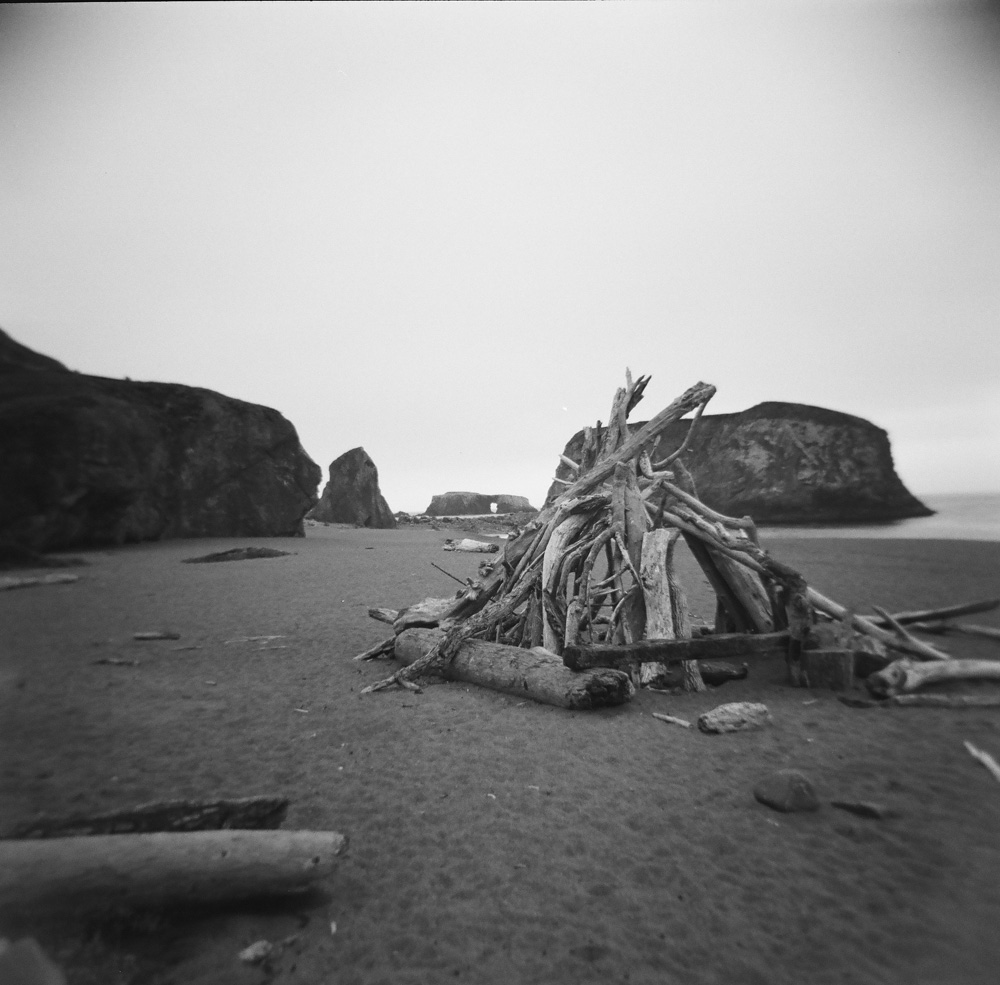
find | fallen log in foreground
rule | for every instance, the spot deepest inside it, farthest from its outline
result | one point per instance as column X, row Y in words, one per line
column 718, row 647
column 534, row 674
column 163, row 869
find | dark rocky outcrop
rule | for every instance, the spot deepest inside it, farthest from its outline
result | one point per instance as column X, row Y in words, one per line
column 88, row 460
column 352, row 495
column 788, row 464
column 470, row 504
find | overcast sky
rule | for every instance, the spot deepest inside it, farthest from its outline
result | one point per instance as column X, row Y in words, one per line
column 442, row 231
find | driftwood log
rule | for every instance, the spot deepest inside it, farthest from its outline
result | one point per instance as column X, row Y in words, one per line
column 904, row 676
column 534, row 674
column 163, row 869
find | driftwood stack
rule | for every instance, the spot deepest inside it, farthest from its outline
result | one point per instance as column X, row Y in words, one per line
column 589, row 585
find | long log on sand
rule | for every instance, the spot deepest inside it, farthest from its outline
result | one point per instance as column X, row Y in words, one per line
column 534, row 674
column 903, row 676
column 933, row 615
column 719, row 647
column 163, row 869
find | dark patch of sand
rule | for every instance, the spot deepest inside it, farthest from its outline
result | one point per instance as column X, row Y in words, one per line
column 494, row 840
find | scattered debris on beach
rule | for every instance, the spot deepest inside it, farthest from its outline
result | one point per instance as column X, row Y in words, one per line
column 588, row 587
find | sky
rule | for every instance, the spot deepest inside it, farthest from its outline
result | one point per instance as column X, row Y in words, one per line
column 443, row 231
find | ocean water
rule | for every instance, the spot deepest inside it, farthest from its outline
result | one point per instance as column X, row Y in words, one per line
column 959, row 516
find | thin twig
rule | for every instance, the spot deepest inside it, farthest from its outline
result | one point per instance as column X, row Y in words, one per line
column 671, row 719
column 449, row 574
column 660, row 466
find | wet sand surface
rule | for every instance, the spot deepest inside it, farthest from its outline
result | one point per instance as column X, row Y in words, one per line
column 496, row 840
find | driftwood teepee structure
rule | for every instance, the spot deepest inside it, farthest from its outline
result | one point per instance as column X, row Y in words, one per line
column 590, row 583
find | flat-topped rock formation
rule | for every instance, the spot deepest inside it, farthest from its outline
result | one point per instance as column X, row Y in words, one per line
column 785, row 463
column 470, row 504
column 88, row 460
column 352, row 494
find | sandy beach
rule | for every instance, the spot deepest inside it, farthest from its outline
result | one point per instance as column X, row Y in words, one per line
column 494, row 840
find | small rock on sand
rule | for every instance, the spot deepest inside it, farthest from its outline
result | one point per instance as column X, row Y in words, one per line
column 787, row 791
column 737, row 716
column 256, row 952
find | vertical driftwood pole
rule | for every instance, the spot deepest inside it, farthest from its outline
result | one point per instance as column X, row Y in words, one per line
column 666, row 607
column 682, row 618
column 555, row 553
column 628, row 511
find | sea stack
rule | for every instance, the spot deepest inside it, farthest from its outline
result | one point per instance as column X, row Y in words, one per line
column 352, row 494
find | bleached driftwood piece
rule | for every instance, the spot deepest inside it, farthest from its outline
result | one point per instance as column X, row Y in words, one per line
column 903, row 676
column 666, row 608
column 471, row 546
column 673, row 721
column 384, row 615
column 985, row 758
column 535, row 674
column 163, row 869
column 555, row 550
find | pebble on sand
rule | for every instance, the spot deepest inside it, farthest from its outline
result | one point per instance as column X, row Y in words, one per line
column 787, row 791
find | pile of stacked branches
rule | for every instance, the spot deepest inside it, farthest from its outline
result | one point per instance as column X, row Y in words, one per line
column 583, row 603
